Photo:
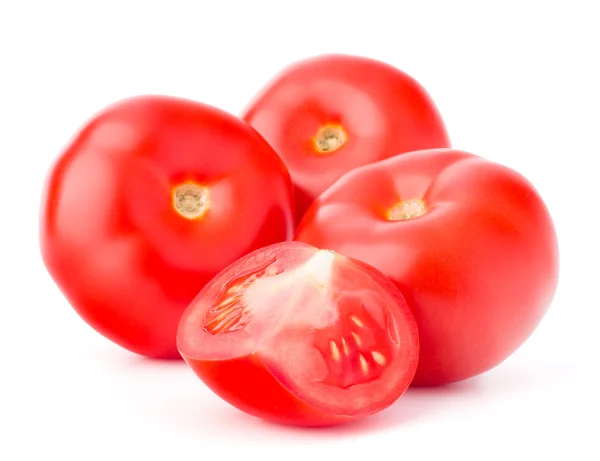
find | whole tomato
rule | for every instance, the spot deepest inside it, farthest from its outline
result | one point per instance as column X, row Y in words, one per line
column 302, row 336
column 469, row 243
column 328, row 115
column 152, row 198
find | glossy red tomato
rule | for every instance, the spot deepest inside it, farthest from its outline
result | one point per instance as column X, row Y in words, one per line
column 468, row 242
column 150, row 200
column 327, row 115
column 301, row 336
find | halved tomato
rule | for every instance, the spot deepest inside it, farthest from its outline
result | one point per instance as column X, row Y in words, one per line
column 303, row 336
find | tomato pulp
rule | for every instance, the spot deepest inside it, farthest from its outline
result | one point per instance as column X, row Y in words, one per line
column 327, row 115
column 151, row 199
column 469, row 243
column 301, row 336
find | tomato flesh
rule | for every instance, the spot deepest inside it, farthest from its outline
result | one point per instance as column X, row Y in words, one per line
column 151, row 199
column 301, row 336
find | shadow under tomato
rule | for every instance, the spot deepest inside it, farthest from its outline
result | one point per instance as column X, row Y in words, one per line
column 117, row 358
column 172, row 394
column 167, row 391
column 416, row 403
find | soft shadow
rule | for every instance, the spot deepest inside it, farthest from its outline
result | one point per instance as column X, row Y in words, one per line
column 169, row 392
column 425, row 403
column 118, row 359
column 198, row 412
column 416, row 403
column 138, row 361
column 190, row 406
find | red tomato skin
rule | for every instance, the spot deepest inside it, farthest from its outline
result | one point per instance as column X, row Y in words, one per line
column 479, row 269
column 110, row 237
column 383, row 111
column 247, row 384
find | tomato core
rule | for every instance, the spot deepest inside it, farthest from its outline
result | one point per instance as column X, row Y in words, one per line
column 329, row 139
column 190, row 200
column 407, row 209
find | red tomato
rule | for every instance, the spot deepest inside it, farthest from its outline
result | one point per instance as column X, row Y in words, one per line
column 301, row 336
column 327, row 115
column 468, row 242
column 151, row 199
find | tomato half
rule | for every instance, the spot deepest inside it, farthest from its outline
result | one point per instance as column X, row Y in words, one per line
column 151, row 199
column 469, row 243
column 301, row 336
column 328, row 115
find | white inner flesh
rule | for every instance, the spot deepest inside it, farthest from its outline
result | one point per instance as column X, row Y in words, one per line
column 297, row 297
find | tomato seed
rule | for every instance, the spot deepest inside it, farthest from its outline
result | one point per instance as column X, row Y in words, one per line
column 378, row 358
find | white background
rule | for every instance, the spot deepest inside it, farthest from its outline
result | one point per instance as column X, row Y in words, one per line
column 517, row 82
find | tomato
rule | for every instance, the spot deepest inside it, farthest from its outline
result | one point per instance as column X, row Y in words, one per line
column 328, row 115
column 469, row 243
column 301, row 336
column 151, row 199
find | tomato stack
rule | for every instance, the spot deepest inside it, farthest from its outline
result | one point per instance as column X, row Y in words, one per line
column 309, row 260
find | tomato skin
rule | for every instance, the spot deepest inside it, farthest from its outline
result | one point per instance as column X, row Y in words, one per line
column 274, row 367
column 247, row 384
column 383, row 111
column 479, row 269
column 110, row 233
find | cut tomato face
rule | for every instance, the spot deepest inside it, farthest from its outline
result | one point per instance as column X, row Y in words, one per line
column 299, row 335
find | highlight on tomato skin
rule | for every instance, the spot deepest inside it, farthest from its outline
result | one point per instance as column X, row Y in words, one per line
column 150, row 199
column 301, row 336
column 469, row 242
column 329, row 114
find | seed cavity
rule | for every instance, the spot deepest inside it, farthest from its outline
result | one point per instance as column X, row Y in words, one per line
column 354, row 357
column 226, row 318
column 231, row 313
column 229, row 300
